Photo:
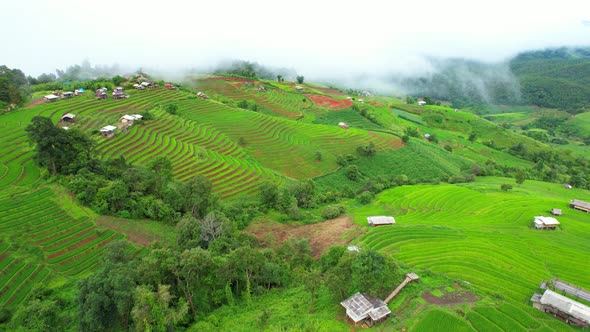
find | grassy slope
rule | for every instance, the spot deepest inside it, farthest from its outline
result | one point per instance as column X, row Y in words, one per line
column 471, row 234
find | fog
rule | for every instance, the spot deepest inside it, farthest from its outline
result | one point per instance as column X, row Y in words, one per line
column 352, row 41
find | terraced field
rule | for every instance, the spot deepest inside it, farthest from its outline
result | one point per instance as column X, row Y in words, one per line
column 38, row 239
column 286, row 146
column 273, row 101
column 477, row 235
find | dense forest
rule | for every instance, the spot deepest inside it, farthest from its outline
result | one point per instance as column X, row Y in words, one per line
column 554, row 78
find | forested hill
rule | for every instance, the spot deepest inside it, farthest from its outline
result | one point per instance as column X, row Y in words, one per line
column 556, row 78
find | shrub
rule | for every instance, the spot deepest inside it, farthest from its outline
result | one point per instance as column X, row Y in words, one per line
column 330, row 212
column 352, row 172
column 171, row 108
column 366, row 197
column 405, row 138
column 506, row 187
column 449, row 148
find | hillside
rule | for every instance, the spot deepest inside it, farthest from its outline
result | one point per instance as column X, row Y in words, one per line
column 277, row 153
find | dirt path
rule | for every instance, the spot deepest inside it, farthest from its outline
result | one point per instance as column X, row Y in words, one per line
column 35, row 103
column 339, row 231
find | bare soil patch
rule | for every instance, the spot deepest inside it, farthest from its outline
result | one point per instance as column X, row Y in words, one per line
column 451, row 298
column 331, row 103
column 35, row 102
column 339, row 231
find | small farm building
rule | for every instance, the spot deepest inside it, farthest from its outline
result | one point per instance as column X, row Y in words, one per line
column 567, row 186
column 147, row 84
column 51, row 97
column 69, row 117
column 169, row 86
column 353, row 248
column 67, row 94
column 556, row 212
column 421, row 103
column 108, row 131
column 580, row 205
column 562, row 307
column 348, row 98
column 361, row 101
column 343, row 125
column 299, row 87
column 365, row 308
column 380, row 220
column 138, row 86
column 545, row 222
column 202, row 95
column 427, row 136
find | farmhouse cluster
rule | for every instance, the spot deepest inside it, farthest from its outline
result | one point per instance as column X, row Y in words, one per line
column 560, row 305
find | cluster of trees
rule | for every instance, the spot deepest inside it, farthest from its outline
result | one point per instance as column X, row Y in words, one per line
column 82, row 72
column 210, row 265
column 115, row 187
column 14, row 87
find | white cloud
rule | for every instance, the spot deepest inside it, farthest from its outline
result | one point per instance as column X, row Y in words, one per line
column 315, row 37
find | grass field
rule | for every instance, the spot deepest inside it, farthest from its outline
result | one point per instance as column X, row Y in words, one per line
column 482, row 237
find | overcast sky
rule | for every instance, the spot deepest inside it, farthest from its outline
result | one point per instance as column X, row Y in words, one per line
column 317, row 38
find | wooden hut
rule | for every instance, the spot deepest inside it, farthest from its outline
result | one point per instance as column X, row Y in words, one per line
column 380, row 220
column 363, row 308
column 343, row 125
column 580, row 205
column 67, row 94
column 108, row 131
column 68, row 117
column 556, row 212
column 562, row 307
column 545, row 222
column 51, row 97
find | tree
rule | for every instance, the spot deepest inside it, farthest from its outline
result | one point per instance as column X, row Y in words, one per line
column 279, row 78
column 171, row 108
column 153, row 311
column 194, row 266
column 59, row 150
column 472, row 136
column 300, row 79
column 318, row 156
column 117, row 80
column 520, row 177
column 411, row 100
column 199, row 196
column 269, row 194
column 353, row 172
column 312, row 280
column 411, row 131
column 505, row 187
column 37, row 315
column 374, row 273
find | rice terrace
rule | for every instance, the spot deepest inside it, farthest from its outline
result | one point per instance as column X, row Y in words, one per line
column 416, row 192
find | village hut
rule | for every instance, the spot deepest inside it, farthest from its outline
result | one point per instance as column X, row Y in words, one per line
column 348, row 98
column 363, row 308
column 127, row 120
column 101, row 93
column 580, row 205
column 361, row 101
column 137, row 117
column 67, row 94
column 299, row 87
column 202, row 95
column 343, row 125
column 138, row 86
column 108, row 131
column 562, row 307
column 556, row 212
column 51, row 97
column 545, row 222
column 169, row 86
column 567, row 186
column 353, row 248
column 69, row 117
column 421, row 103
column 146, row 84
column 380, row 220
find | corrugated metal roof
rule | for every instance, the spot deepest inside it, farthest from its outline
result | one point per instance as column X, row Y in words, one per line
column 546, row 220
column 108, row 128
column 565, row 304
column 357, row 307
column 380, row 220
column 578, row 202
